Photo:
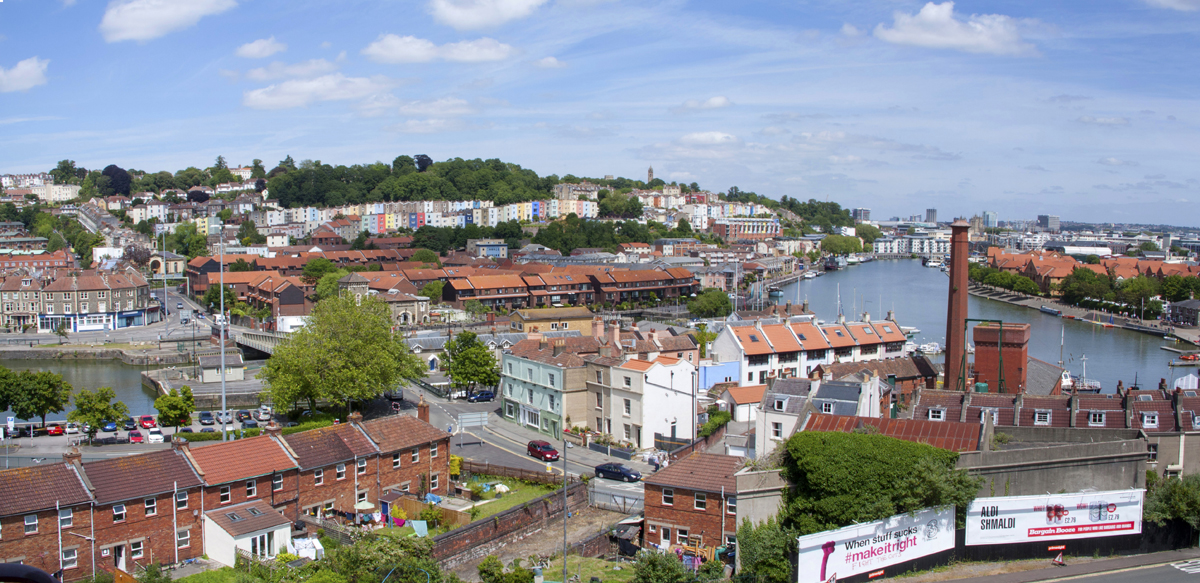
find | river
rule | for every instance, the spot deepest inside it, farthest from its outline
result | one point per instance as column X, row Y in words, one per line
column 918, row 296
column 125, row 380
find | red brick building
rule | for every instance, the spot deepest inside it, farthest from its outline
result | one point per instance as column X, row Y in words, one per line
column 257, row 468
column 414, row 456
column 693, row 496
column 338, row 465
column 41, row 506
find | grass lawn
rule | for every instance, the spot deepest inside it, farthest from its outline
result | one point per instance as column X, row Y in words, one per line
column 222, row 575
column 518, row 494
column 587, row 568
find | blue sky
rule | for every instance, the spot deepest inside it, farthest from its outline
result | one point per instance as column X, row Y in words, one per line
column 1087, row 110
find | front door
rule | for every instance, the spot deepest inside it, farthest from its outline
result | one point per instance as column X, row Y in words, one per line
column 119, row 557
column 666, row 536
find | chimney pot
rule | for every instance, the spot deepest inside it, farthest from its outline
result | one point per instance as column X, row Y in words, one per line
column 355, row 417
column 423, row 410
column 276, row 430
column 73, row 456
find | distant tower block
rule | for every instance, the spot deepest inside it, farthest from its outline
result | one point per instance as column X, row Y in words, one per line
column 650, row 175
column 990, row 343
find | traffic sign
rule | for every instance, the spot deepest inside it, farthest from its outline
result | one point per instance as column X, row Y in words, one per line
column 468, row 420
column 12, row 424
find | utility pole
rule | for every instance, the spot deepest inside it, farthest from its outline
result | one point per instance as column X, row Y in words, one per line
column 222, row 324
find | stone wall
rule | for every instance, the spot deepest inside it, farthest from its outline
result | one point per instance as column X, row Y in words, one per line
column 135, row 357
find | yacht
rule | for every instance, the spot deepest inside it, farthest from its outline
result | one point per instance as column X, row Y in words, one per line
column 930, row 348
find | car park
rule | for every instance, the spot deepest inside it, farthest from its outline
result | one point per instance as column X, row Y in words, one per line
column 481, row 397
column 249, row 424
column 206, row 418
column 109, row 426
column 72, row 427
column 207, row 430
column 614, row 471
column 136, row 437
column 148, row 422
column 264, row 413
column 54, row 430
column 155, row 436
column 243, row 415
column 542, row 450
column 130, row 424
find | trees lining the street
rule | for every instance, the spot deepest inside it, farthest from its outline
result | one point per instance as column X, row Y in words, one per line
column 32, row 394
column 176, row 407
column 94, row 408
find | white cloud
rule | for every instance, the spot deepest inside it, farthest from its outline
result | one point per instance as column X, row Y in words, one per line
column 935, row 27
column 326, row 45
column 1183, row 5
column 1116, row 162
column 446, row 106
column 711, row 103
column 774, row 131
column 1064, row 98
column 708, row 139
column 24, row 75
column 393, row 49
column 1104, row 121
column 261, row 48
column 143, row 20
column 430, row 126
column 279, row 70
column 550, row 63
column 302, row 92
column 850, row 30
column 472, row 14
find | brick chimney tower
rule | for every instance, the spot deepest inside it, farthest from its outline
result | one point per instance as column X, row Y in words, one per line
column 956, row 305
column 423, row 410
column 1013, row 342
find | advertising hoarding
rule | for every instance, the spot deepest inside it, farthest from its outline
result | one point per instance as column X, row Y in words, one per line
column 1021, row 519
column 863, row 548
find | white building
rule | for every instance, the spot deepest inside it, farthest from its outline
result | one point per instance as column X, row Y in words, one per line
column 637, row 399
column 253, row 527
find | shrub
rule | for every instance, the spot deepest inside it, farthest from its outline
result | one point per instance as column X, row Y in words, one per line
column 715, row 421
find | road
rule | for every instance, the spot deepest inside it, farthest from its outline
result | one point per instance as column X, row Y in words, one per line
column 1187, row 571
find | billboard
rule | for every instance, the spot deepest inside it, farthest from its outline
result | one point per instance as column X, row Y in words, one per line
column 1021, row 519
column 865, row 548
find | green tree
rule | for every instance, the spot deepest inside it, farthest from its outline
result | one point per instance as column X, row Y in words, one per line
column 703, row 337
column 240, row 265
column 654, row 567
column 491, row 570
column 868, row 233
column 427, row 256
column 1024, row 285
column 248, row 234
column 474, row 307
column 34, row 394
column 470, row 363
column 762, row 549
column 1175, row 499
column 176, row 407
column 316, row 268
column 1137, row 291
column 841, row 244
column 346, row 352
column 711, row 303
column 62, row 331
column 65, row 173
column 433, row 291
column 257, row 170
column 154, row 573
column 684, row 226
column 94, row 408
column 327, row 286
column 1149, row 246
column 212, row 298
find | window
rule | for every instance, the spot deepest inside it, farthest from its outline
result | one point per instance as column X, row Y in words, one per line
column 395, row 460
column 599, row 377
column 599, row 400
column 136, row 549
column 628, row 382
column 1096, row 418
column 551, row 407
column 668, row 498
column 415, row 455
column 1041, row 417
column 362, row 496
column 1153, row 449
column 118, row 512
column 183, row 539
column 750, row 377
column 681, row 536
column 628, row 407
column 731, row 505
column 433, row 482
column 529, row 396
column 827, row 407
column 529, row 371
column 66, row 517
column 701, row 502
column 224, row 494
column 1150, row 420
column 341, row 471
column 69, row 558
column 276, row 482
column 328, row 508
column 780, row 404
column 318, row 477
column 993, row 413
column 362, row 466
column 404, row 486
column 251, row 488
column 628, row 433
column 151, row 506
column 777, row 430
column 551, row 379
column 181, row 500
column 937, row 414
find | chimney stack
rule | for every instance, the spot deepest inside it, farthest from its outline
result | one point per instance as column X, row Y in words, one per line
column 423, row 410
column 275, row 430
column 867, row 317
column 72, row 455
column 956, row 305
column 614, row 336
column 598, row 328
column 354, row 417
column 559, row 346
column 542, row 343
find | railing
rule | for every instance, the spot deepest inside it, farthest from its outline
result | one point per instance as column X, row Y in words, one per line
column 439, row 391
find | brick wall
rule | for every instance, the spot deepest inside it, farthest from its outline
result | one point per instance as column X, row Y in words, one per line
column 682, row 514
column 282, row 499
column 155, row 533
column 41, row 549
column 484, row 536
column 390, row 476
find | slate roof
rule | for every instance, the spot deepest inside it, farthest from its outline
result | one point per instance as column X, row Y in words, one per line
column 55, row 483
column 398, row 432
column 242, row 459
column 553, row 313
column 950, row 435
column 139, row 476
column 1041, row 377
column 703, row 472
column 326, row 446
column 903, row 368
column 246, row 518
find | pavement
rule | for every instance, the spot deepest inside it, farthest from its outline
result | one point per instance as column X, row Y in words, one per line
column 1162, row 567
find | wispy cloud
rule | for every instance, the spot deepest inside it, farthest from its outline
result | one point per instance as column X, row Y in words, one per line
column 393, row 49
column 550, row 63
column 437, row 108
column 303, row 92
column 716, row 102
column 936, row 27
column 24, row 75
column 1103, row 121
column 1181, row 5
column 261, row 48
column 279, row 70
column 142, row 20
column 473, row 14
column 1116, row 162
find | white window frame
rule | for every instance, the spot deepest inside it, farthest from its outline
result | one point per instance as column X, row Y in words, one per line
column 362, row 465
column 1042, row 417
column 29, row 523
column 780, row 404
column 936, row 415
column 731, row 505
column 395, row 460
column 700, row 501
column 776, row 430
column 1150, row 420
column 415, row 456
column 433, row 451
column 1096, row 418
column 995, row 415
column 151, row 506
column 340, row 472
column 183, row 539
column 181, row 500
column 433, row 481
column 668, row 496
column 119, row 510
column 137, row 549
column 226, row 495
column 827, row 408
column 70, row 558
column 318, row 477
column 627, row 408
column 66, row 518
column 276, row 482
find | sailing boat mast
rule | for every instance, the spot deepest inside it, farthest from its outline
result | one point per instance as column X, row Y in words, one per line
column 1061, row 342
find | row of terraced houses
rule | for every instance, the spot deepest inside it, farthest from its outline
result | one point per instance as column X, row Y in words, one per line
column 168, row 505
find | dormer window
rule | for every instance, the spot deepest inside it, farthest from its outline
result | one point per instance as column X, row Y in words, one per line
column 780, row 404
column 994, row 413
column 827, row 407
column 937, row 414
column 1150, row 420
column 1041, row 417
column 1096, row 418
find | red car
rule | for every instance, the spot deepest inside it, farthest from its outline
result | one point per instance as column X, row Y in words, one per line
column 54, row 430
column 542, row 450
column 136, row 437
column 148, row 422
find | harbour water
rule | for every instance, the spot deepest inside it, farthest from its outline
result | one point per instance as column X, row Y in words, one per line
column 125, row 380
column 918, row 296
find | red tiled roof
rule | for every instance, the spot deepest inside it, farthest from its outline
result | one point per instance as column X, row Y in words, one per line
column 781, row 338
column 34, row 488
column 838, row 336
column 245, row 458
column 951, row 435
column 746, row 395
column 139, row 476
column 704, row 472
column 810, row 337
column 753, row 340
column 889, row 331
column 398, row 432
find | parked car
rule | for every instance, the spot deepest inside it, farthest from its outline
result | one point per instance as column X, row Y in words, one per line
column 72, row 427
column 186, row 430
column 22, row 431
column 155, row 436
column 249, row 424
column 136, row 437
column 224, row 417
column 199, row 315
column 618, row 472
column 130, row 424
column 148, row 422
column 264, row 413
column 207, row 430
column 110, row 426
column 206, row 418
column 542, row 450
column 481, row 397
column 54, row 430
column 243, row 415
